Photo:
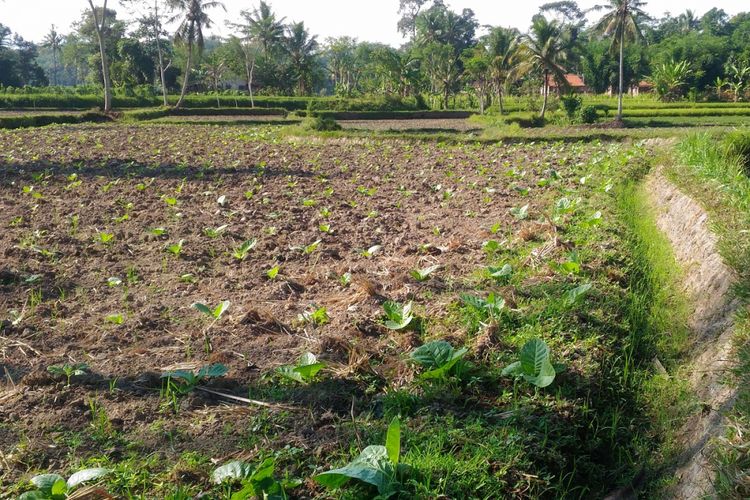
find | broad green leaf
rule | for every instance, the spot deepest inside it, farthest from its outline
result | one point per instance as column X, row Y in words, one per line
column 185, row 375
column 86, row 475
column 212, row 371
column 432, row 354
column 220, row 309
column 534, row 354
column 512, row 369
column 393, row 440
column 203, row 308
column 45, row 482
column 233, row 471
column 291, row 373
column 372, row 466
column 572, row 296
column 34, row 495
column 500, row 272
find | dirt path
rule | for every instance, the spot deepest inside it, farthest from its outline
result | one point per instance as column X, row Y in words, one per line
column 707, row 282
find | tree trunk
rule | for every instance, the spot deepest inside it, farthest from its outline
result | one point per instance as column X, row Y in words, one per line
column 622, row 76
column 545, row 91
column 186, row 77
column 500, row 99
column 102, row 51
column 162, row 69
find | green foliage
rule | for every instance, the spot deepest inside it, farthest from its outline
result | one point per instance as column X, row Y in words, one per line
column 175, row 248
column 534, row 365
column 254, row 482
column 438, row 358
column 317, row 317
column 588, row 114
column 736, row 144
column 216, row 312
column 489, row 308
column 424, row 274
column 241, row 252
column 304, row 371
column 397, row 316
column 572, row 105
column 320, row 124
column 55, row 487
column 68, row 370
column 377, row 465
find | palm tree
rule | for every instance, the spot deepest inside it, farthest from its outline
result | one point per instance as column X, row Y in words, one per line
column 263, row 26
column 190, row 31
column 53, row 41
column 261, row 31
column 301, row 48
column 502, row 46
column 545, row 49
column 622, row 23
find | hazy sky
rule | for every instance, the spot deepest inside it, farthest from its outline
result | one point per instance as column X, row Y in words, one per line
column 371, row 20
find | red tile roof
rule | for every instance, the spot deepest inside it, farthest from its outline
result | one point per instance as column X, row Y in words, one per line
column 573, row 80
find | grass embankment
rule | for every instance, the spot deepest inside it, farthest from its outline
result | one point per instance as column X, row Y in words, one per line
column 712, row 172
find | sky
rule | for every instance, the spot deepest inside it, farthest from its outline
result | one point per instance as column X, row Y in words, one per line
column 366, row 20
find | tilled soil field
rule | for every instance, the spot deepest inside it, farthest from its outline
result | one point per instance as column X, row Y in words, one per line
column 111, row 233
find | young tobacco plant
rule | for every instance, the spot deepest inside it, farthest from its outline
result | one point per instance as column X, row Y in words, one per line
column 438, row 358
column 255, row 482
column 216, row 312
column 376, row 465
column 397, row 316
column 182, row 382
column 489, row 308
column 534, row 365
column 215, row 232
column 241, row 252
column 55, row 487
column 424, row 274
column 68, row 370
column 304, row 371
column 318, row 317
column 176, row 248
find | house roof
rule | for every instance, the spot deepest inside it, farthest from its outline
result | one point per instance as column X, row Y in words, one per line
column 573, row 80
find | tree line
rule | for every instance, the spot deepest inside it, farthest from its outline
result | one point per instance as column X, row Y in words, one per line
column 612, row 47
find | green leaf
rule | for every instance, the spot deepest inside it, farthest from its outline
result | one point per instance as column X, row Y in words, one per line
column 86, row 475
column 398, row 316
column 290, row 372
column 46, row 482
column 234, row 471
column 220, row 309
column 203, row 308
column 500, row 272
column 439, row 357
column 572, row 296
column 212, row 371
column 34, row 495
column 393, row 441
column 372, row 466
column 535, row 366
column 185, row 375
column 512, row 369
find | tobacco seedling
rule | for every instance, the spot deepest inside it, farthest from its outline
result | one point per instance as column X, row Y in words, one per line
column 397, row 316
column 318, row 317
column 256, row 482
column 214, row 232
column 68, row 370
column 572, row 265
column 176, row 248
column 241, row 252
column 345, row 279
column 104, row 238
column 438, row 358
column 491, row 307
column 311, row 247
column 533, row 365
column 216, row 312
column 158, row 231
column 304, row 371
column 370, row 252
column 114, row 281
column 182, row 382
column 273, row 272
column 500, row 273
column 424, row 274
column 115, row 319
column 376, row 465
column 55, row 487
column 574, row 295
column 520, row 213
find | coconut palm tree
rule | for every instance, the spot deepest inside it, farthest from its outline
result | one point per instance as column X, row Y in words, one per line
column 502, row 46
column 621, row 22
column 193, row 18
column 545, row 49
column 53, row 41
column 263, row 27
column 301, row 48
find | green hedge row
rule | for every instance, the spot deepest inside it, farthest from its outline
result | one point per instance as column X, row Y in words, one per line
column 391, row 115
column 9, row 122
column 154, row 113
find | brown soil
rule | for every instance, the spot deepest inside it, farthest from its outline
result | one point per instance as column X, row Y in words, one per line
column 447, row 125
column 707, row 282
column 53, row 272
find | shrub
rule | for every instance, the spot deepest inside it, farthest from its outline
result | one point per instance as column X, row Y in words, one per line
column 588, row 114
column 320, row 124
column 572, row 105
